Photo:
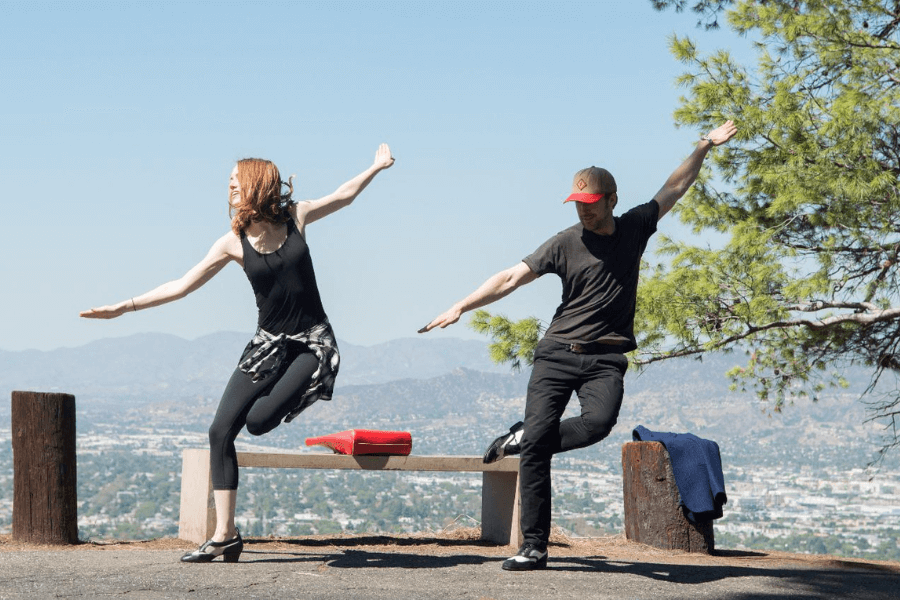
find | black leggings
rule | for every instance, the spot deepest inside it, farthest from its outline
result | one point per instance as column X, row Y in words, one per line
column 260, row 406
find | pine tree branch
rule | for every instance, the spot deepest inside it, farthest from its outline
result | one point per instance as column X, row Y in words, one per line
column 871, row 314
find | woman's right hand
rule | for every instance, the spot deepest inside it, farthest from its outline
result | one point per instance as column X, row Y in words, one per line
column 383, row 158
column 106, row 312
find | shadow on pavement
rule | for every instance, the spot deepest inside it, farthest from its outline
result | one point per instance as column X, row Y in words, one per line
column 377, row 540
column 355, row 559
column 845, row 579
column 833, row 579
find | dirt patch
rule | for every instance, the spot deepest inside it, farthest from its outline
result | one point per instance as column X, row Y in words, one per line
column 465, row 540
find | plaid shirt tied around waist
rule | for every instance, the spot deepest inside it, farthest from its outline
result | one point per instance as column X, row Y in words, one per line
column 265, row 354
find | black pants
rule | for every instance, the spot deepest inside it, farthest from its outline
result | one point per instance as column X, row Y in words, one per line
column 260, row 406
column 557, row 372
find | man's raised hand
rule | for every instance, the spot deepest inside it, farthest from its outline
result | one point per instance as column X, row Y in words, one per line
column 722, row 133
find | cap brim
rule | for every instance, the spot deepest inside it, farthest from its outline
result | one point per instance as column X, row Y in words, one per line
column 586, row 198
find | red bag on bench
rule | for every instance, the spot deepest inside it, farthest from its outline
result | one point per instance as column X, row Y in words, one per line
column 365, row 441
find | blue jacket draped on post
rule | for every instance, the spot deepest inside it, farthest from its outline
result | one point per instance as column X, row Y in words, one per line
column 698, row 471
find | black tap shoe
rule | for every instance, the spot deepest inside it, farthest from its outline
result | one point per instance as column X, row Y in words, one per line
column 229, row 550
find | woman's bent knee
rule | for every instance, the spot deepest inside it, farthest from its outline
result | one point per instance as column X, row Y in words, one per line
column 254, row 429
column 259, row 426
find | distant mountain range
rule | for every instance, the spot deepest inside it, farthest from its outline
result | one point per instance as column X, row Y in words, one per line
column 139, row 366
column 142, row 366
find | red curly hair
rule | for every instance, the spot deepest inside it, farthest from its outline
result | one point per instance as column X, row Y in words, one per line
column 261, row 197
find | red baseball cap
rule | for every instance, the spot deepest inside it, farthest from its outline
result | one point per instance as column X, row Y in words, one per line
column 591, row 184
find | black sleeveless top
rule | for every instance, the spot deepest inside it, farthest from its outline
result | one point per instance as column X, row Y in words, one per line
column 285, row 285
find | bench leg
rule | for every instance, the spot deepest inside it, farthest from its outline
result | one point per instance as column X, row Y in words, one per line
column 500, row 508
column 197, row 517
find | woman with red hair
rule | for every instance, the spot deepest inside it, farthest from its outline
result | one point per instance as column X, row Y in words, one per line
column 293, row 358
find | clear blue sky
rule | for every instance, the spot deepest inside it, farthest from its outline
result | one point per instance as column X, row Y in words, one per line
column 120, row 123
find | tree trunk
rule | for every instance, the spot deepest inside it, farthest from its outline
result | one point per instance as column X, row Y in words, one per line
column 45, row 509
column 653, row 513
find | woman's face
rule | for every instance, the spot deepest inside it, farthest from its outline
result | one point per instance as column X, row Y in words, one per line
column 234, row 188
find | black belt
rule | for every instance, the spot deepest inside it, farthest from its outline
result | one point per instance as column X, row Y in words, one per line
column 595, row 348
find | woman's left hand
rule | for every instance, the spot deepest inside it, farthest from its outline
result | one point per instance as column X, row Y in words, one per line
column 383, row 158
column 106, row 312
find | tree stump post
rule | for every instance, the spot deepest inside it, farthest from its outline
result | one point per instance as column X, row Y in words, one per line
column 653, row 513
column 45, row 509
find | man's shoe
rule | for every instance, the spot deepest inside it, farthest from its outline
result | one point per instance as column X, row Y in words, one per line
column 505, row 445
column 529, row 558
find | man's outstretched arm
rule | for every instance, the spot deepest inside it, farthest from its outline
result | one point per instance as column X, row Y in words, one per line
column 496, row 287
column 678, row 182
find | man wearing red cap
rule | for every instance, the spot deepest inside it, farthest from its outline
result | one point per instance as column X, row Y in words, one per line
column 583, row 350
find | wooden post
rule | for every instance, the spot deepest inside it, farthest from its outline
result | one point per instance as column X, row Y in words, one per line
column 653, row 513
column 45, row 500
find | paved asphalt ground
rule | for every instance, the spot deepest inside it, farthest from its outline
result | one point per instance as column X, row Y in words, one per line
column 363, row 570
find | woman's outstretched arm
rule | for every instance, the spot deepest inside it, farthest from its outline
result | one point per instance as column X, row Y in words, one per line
column 313, row 210
column 224, row 250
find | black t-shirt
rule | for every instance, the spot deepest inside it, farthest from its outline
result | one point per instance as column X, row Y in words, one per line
column 599, row 274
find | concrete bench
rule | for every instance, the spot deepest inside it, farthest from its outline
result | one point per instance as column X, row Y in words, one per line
column 499, row 495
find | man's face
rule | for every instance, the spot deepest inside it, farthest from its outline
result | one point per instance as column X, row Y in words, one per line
column 597, row 215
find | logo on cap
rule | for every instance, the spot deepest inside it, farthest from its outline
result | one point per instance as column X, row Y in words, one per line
column 581, row 184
